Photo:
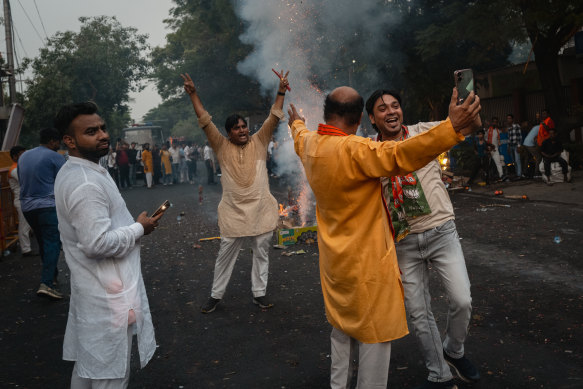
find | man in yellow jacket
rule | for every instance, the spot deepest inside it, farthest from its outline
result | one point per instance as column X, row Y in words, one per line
column 360, row 278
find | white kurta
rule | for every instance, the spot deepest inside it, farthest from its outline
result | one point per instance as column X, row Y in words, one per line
column 102, row 249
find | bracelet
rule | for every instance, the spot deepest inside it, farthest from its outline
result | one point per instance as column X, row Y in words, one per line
column 280, row 93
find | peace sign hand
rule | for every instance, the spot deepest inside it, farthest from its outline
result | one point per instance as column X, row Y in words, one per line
column 283, row 81
column 188, row 84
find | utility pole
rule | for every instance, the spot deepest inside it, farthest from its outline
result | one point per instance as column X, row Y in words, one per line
column 9, row 51
column 11, row 115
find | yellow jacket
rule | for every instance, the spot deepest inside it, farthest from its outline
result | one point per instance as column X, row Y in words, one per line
column 360, row 277
column 165, row 160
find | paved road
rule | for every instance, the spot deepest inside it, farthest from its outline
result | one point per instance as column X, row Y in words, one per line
column 526, row 332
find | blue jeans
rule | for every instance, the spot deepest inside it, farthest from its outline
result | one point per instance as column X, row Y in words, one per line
column 45, row 225
column 439, row 246
column 132, row 174
column 515, row 156
column 176, row 173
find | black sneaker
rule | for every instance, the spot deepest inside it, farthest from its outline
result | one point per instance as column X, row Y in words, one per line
column 438, row 385
column 463, row 368
column 262, row 302
column 210, row 305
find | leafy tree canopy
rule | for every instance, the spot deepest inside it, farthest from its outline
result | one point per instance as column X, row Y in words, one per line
column 103, row 62
column 204, row 42
column 409, row 45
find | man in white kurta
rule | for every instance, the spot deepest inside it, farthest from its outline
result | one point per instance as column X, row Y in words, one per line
column 247, row 208
column 101, row 242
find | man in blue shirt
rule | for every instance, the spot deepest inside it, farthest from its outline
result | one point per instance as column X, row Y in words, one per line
column 530, row 144
column 37, row 169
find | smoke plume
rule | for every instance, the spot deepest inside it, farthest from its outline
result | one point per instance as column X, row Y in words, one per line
column 323, row 43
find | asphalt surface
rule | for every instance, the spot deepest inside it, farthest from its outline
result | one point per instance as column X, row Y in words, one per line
column 526, row 329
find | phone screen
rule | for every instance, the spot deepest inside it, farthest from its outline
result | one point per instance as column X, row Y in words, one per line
column 464, row 81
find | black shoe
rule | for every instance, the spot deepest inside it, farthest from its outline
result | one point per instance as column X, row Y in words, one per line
column 210, row 305
column 463, row 368
column 438, row 385
column 262, row 302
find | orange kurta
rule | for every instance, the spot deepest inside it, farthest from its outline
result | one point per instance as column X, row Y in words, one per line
column 543, row 132
column 147, row 160
column 359, row 273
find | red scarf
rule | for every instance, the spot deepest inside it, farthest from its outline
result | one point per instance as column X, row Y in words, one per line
column 326, row 129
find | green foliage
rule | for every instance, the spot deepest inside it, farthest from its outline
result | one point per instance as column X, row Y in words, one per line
column 189, row 130
column 104, row 62
column 415, row 51
column 204, row 42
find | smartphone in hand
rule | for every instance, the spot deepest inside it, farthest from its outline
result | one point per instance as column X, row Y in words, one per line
column 162, row 208
column 464, row 82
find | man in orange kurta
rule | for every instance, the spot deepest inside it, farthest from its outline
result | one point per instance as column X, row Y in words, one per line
column 359, row 273
column 543, row 131
column 148, row 164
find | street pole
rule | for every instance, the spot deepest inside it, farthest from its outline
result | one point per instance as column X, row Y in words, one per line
column 9, row 51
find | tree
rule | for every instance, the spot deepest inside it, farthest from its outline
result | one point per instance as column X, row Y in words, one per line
column 103, row 62
column 204, row 42
column 449, row 35
column 548, row 24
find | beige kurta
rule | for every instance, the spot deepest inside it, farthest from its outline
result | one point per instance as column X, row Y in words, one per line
column 247, row 207
column 359, row 273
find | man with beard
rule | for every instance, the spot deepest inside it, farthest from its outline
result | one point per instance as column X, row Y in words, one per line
column 425, row 233
column 101, row 242
column 37, row 169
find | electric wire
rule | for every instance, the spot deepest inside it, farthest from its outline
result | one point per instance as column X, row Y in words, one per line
column 32, row 24
column 41, row 20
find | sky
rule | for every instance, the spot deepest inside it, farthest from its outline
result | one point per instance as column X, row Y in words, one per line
column 34, row 20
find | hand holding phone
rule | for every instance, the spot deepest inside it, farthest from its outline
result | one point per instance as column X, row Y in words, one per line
column 162, row 208
column 464, row 82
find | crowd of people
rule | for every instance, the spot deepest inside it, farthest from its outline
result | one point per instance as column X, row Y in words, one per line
column 371, row 278
column 174, row 162
column 517, row 151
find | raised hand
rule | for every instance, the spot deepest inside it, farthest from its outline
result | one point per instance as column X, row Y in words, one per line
column 294, row 115
column 188, row 84
column 465, row 117
column 283, row 81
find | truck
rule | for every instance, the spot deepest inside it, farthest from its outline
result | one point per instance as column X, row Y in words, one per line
column 144, row 134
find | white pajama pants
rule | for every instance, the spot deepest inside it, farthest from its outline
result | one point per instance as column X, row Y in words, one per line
column 227, row 257
column 23, row 231
column 496, row 158
column 373, row 362
column 113, row 383
column 149, row 180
